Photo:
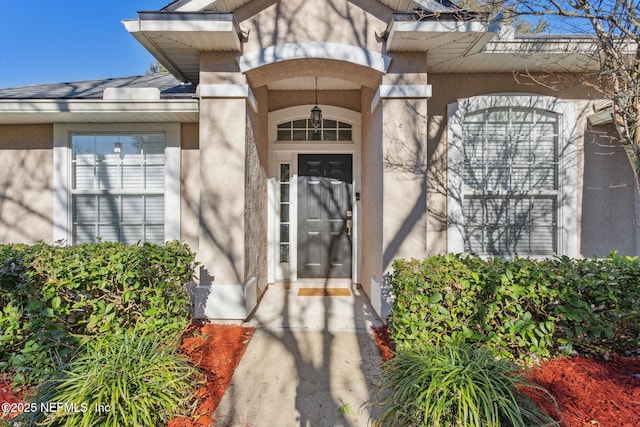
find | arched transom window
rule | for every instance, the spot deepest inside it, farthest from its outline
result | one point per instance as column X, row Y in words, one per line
column 302, row 130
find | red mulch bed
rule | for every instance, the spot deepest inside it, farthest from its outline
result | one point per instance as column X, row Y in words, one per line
column 216, row 350
column 7, row 395
column 588, row 392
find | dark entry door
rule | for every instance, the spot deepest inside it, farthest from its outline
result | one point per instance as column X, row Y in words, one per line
column 325, row 215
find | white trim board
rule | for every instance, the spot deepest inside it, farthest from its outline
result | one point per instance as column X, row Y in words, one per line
column 400, row 92
column 317, row 50
column 229, row 91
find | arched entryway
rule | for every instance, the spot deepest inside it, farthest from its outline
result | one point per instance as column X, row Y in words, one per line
column 315, row 174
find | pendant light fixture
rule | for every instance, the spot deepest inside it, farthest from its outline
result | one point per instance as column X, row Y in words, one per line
column 316, row 113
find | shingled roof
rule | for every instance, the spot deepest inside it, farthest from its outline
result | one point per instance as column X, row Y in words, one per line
column 169, row 87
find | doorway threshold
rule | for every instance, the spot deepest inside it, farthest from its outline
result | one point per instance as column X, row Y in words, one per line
column 316, row 283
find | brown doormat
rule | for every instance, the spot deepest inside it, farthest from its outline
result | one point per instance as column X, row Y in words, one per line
column 324, row 292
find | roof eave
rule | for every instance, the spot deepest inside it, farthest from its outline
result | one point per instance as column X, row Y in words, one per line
column 176, row 39
column 23, row 111
column 449, row 31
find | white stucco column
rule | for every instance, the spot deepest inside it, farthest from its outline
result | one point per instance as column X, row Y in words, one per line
column 224, row 291
column 404, row 163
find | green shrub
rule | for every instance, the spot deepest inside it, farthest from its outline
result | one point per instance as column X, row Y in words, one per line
column 599, row 307
column 131, row 378
column 456, row 385
column 526, row 309
column 52, row 294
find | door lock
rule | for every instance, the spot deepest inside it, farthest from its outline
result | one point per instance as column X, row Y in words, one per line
column 349, row 222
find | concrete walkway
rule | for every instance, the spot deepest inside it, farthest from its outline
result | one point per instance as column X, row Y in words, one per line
column 312, row 362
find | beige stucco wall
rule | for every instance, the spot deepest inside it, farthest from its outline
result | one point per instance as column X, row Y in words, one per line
column 221, row 248
column 404, row 205
column 332, row 21
column 610, row 202
column 349, row 99
column 190, row 184
column 26, row 177
column 404, row 154
column 255, row 216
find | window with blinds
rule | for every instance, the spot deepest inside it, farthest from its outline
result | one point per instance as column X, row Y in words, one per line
column 118, row 182
column 510, row 181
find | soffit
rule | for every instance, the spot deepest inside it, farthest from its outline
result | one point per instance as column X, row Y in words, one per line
column 451, row 37
column 206, row 5
column 177, row 39
column 232, row 5
column 459, row 46
column 563, row 54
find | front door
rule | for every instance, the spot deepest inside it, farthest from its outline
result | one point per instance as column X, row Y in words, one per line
column 325, row 215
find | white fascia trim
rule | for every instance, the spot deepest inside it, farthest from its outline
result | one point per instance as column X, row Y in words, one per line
column 400, row 92
column 438, row 26
column 229, row 91
column 224, row 24
column 193, row 5
column 314, row 50
column 62, row 215
column 44, row 106
column 567, row 163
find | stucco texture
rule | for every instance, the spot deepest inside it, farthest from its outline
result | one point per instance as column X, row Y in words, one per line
column 26, row 177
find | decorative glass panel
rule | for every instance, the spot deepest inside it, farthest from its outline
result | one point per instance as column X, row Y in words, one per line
column 284, row 233
column 285, row 172
column 284, row 212
column 301, row 130
column 285, row 206
column 284, row 252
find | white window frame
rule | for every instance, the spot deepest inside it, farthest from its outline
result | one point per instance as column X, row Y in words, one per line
column 62, row 174
column 567, row 233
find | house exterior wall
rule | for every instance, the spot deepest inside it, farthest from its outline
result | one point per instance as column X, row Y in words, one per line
column 403, row 151
column 402, row 156
column 222, row 198
column 26, row 179
column 256, row 210
column 610, row 210
column 404, row 179
column 190, row 184
column 319, row 20
column 599, row 167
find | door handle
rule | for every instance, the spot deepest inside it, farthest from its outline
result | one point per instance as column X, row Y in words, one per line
column 349, row 226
